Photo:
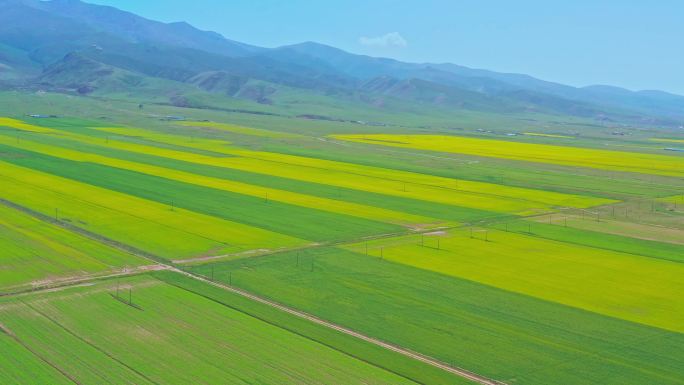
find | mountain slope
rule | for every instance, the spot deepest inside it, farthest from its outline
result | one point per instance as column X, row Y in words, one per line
column 656, row 103
column 133, row 28
column 60, row 37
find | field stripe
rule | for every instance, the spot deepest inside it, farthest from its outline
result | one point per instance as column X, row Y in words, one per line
column 531, row 152
column 34, row 252
column 462, row 193
column 414, row 355
column 235, row 129
column 125, row 215
column 303, row 200
column 631, row 287
column 381, row 174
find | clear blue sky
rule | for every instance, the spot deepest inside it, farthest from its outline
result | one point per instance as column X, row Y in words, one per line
column 635, row 44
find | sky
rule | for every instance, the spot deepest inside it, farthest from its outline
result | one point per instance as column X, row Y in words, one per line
column 634, row 44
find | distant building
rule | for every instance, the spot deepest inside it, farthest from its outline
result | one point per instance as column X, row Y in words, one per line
column 174, row 118
column 41, row 116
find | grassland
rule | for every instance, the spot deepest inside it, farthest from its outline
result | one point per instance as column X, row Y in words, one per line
column 664, row 140
column 33, row 251
column 562, row 155
column 169, row 335
column 238, row 129
column 548, row 135
column 507, row 336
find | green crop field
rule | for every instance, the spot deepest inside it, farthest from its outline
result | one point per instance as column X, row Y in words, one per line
column 564, row 155
column 553, row 256
column 599, row 280
column 20, row 366
column 33, row 251
column 511, row 337
column 168, row 335
column 154, row 227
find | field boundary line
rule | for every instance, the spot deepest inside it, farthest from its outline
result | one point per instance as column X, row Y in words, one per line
column 85, row 341
column 397, row 349
column 10, row 333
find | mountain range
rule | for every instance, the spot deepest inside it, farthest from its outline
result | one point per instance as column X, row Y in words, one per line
column 77, row 47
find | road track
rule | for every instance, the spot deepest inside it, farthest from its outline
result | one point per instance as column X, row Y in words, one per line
column 405, row 352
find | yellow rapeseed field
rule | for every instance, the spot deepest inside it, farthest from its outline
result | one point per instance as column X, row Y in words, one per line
column 325, row 204
column 544, row 153
column 479, row 195
column 151, row 226
column 627, row 286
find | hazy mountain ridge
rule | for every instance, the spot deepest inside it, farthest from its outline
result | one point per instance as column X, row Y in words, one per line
column 45, row 35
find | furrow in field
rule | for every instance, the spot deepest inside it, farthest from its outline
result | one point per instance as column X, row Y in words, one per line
column 172, row 336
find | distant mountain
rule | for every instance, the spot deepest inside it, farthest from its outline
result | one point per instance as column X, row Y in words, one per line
column 136, row 29
column 655, row 103
column 72, row 46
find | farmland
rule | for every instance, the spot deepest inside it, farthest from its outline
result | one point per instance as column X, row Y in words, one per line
column 498, row 333
column 151, row 226
column 542, row 258
column 563, row 155
column 168, row 335
column 33, row 250
column 572, row 275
